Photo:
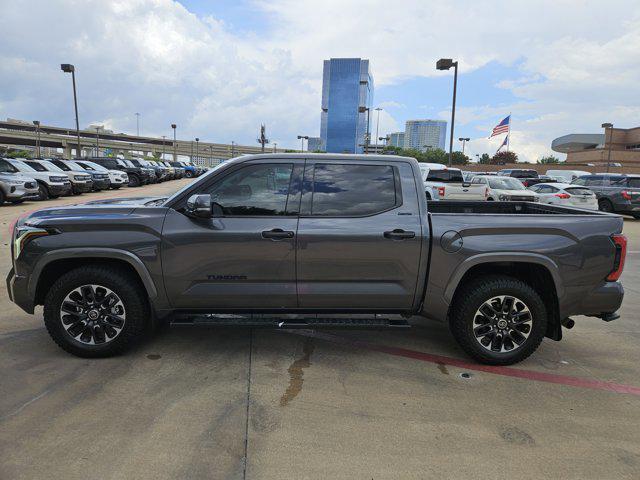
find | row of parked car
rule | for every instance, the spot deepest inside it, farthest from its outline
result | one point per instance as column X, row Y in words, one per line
column 608, row 192
column 39, row 179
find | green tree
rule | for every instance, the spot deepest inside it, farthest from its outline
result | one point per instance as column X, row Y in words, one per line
column 485, row 159
column 549, row 159
column 458, row 158
column 504, row 157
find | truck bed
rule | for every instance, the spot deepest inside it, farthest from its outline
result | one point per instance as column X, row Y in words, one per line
column 513, row 208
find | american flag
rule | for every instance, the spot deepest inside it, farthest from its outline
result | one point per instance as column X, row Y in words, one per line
column 502, row 127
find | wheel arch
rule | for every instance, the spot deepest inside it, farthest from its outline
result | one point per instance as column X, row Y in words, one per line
column 540, row 272
column 55, row 263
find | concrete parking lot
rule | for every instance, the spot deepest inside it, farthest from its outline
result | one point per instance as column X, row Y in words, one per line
column 262, row 404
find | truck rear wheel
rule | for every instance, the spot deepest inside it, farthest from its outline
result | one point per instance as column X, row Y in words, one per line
column 95, row 311
column 498, row 320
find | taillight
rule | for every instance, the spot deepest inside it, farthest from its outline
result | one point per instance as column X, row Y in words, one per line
column 626, row 195
column 620, row 242
column 563, row 195
column 441, row 191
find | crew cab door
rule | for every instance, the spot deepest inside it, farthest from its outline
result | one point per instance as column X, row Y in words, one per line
column 359, row 236
column 244, row 259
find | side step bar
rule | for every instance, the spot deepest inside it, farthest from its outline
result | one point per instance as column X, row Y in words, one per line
column 287, row 321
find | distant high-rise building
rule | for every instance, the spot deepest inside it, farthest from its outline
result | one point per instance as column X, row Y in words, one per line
column 396, row 139
column 424, row 134
column 347, row 94
column 315, row 144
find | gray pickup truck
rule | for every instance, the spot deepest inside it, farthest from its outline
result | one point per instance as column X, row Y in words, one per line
column 316, row 240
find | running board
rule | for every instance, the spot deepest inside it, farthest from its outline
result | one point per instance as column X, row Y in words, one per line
column 287, row 321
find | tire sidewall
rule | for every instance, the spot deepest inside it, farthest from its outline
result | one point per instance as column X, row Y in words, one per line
column 121, row 285
column 462, row 320
column 605, row 206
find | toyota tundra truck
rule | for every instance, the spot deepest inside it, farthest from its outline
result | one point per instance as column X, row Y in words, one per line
column 316, row 241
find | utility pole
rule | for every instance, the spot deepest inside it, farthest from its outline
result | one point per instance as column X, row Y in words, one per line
column 233, row 149
column 137, row 124
column 275, row 147
column 97, row 141
column 197, row 143
column 163, row 145
column 608, row 126
column 263, row 140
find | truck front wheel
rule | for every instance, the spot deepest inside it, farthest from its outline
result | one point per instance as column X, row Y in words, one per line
column 498, row 320
column 95, row 311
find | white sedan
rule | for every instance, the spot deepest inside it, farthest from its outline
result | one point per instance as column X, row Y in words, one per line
column 566, row 195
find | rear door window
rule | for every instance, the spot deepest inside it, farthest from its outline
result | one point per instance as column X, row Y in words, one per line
column 633, row 182
column 38, row 167
column 340, row 190
column 445, row 176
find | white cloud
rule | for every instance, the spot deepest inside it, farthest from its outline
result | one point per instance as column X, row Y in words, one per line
column 579, row 63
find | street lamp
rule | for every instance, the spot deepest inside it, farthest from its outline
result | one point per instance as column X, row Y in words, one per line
column 137, row 124
column 163, row 145
column 608, row 126
column 302, row 138
column 98, row 127
column 446, row 64
column 197, row 140
column 377, row 125
column 464, row 141
column 275, row 147
column 233, row 149
column 37, row 125
column 68, row 68
column 175, row 146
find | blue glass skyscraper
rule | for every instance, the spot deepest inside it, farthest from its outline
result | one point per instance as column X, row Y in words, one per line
column 347, row 94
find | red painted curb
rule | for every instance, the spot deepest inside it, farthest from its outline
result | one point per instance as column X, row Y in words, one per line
column 454, row 362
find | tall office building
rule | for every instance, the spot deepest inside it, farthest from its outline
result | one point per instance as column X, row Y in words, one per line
column 396, row 139
column 424, row 134
column 347, row 96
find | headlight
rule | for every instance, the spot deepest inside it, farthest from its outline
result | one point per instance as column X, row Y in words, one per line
column 24, row 234
column 504, row 198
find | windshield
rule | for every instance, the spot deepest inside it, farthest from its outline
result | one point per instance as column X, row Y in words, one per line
column 74, row 166
column 128, row 163
column 506, row 184
column 22, row 166
column 86, row 166
column 64, row 166
column 37, row 166
column 6, row 167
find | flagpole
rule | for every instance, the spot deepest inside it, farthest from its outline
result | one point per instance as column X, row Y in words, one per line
column 509, row 132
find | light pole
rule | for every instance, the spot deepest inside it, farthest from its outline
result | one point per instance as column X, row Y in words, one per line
column 68, row 68
column 197, row 140
column 302, row 138
column 446, row 64
column 163, row 145
column 175, row 146
column 37, row 125
column 464, row 141
column 275, row 147
column 608, row 126
column 233, row 149
column 377, row 125
column 137, row 124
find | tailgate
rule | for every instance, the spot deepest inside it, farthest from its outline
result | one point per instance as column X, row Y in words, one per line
column 456, row 191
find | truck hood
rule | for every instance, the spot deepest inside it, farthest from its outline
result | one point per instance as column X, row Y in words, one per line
column 57, row 215
column 16, row 176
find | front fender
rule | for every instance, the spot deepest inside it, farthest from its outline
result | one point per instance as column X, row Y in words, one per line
column 76, row 253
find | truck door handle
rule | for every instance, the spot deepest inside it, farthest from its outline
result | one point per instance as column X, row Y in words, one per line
column 277, row 234
column 399, row 234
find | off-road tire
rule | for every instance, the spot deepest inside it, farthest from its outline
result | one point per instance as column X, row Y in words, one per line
column 605, row 205
column 120, row 282
column 469, row 299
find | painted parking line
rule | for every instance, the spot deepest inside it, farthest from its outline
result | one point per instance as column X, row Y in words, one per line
column 454, row 362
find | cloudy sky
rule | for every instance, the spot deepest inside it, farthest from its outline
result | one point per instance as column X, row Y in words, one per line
column 220, row 68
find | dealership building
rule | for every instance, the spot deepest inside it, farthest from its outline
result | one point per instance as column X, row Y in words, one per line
column 614, row 146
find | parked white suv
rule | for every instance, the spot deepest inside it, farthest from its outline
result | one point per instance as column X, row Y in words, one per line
column 50, row 184
column 14, row 186
column 80, row 181
column 505, row 189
